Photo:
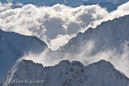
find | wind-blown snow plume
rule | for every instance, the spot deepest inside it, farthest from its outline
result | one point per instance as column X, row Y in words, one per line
column 119, row 60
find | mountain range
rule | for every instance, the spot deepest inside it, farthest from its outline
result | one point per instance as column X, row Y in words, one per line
column 109, row 35
column 65, row 73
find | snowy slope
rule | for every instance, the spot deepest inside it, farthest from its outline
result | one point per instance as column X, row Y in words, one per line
column 112, row 35
column 101, row 73
column 13, row 46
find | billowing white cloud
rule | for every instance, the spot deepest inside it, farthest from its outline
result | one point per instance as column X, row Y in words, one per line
column 119, row 12
column 49, row 23
column 57, row 24
column 5, row 6
column 18, row 4
column 119, row 60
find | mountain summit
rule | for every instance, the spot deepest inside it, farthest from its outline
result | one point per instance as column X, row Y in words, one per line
column 66, row 73
column 13, row 46
column 109, row 35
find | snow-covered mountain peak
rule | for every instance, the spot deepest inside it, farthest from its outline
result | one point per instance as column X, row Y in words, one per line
column 13, row 46
column 21, row 41
column 108, row 35
column 104, row 64
column 73, row 63
column 77, row 63
column 63, row 62
column 28, row 63
column 101, row 73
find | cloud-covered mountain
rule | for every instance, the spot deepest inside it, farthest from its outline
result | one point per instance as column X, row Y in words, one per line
column 108, row 35
column 109, row 41
column 65, row 73
column 54, row 26
column 13, row 46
